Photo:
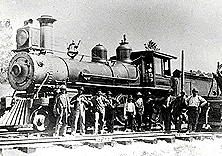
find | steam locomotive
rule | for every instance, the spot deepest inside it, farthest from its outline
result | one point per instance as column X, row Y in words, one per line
column 35, row 72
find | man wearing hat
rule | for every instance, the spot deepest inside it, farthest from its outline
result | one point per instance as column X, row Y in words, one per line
column 166, row 110
column 62, row 110
column 110, row 112
column 129, row 113
column 78, row 106
column 149, row 105
column 99, row 102
column 139, row 110
column 179, row 106
column 194, row 103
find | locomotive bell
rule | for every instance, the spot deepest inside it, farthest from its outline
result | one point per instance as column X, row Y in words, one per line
column 99, row 54
column 123, row 51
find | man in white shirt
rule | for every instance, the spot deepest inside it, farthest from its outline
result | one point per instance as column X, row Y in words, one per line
column 129, row 113
column 195, row 102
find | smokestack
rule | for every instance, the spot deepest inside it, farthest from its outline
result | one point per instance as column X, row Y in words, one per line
column 46, row 25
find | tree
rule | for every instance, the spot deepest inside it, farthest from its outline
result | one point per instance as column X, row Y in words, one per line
column 151, row 46
column 5, row 48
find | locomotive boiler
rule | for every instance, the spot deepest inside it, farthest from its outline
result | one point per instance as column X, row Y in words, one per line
column 36, row 64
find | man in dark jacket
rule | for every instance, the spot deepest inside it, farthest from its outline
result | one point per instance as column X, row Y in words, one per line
column 179, row 106
column 110, row 112
column 99, row 102
column 148, row 110
column 166, row 110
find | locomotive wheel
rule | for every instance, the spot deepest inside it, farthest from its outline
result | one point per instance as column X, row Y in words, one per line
column 40, row 120
column 120, row 108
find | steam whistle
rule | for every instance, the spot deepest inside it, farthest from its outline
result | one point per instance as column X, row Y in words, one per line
column 73, row 49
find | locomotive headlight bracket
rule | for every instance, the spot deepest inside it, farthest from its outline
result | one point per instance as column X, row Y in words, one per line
column 22, row 37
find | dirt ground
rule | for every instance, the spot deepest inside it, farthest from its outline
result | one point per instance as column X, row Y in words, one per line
column 179, row 148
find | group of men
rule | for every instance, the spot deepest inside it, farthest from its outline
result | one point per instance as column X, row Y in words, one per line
column 76, row 107
column 174, row 108
column 105, row 105
column 133, row 112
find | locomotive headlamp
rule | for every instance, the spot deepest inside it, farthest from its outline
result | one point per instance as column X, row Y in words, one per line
column 22, row 37
column 27, row 37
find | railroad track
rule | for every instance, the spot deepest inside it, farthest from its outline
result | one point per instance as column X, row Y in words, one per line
column 20, row 134
column 86, row 138
column 99, row 141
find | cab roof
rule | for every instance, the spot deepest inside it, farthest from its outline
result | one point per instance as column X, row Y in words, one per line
column 135, row 54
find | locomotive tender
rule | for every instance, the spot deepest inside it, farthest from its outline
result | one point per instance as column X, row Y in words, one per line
column 35, row 72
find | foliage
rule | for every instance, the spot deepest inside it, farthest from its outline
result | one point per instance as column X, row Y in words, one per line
column 151, row 46
column 5, row 48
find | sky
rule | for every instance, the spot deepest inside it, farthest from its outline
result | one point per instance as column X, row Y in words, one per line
column 194, row 26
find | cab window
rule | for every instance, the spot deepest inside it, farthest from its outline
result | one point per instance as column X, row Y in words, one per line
column 158, row 66
column 166, row 67
column 162, row 66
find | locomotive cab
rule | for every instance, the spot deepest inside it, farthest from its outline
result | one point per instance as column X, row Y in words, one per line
column 155, row 68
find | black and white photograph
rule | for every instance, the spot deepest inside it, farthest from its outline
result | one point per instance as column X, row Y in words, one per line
column 110, row 77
